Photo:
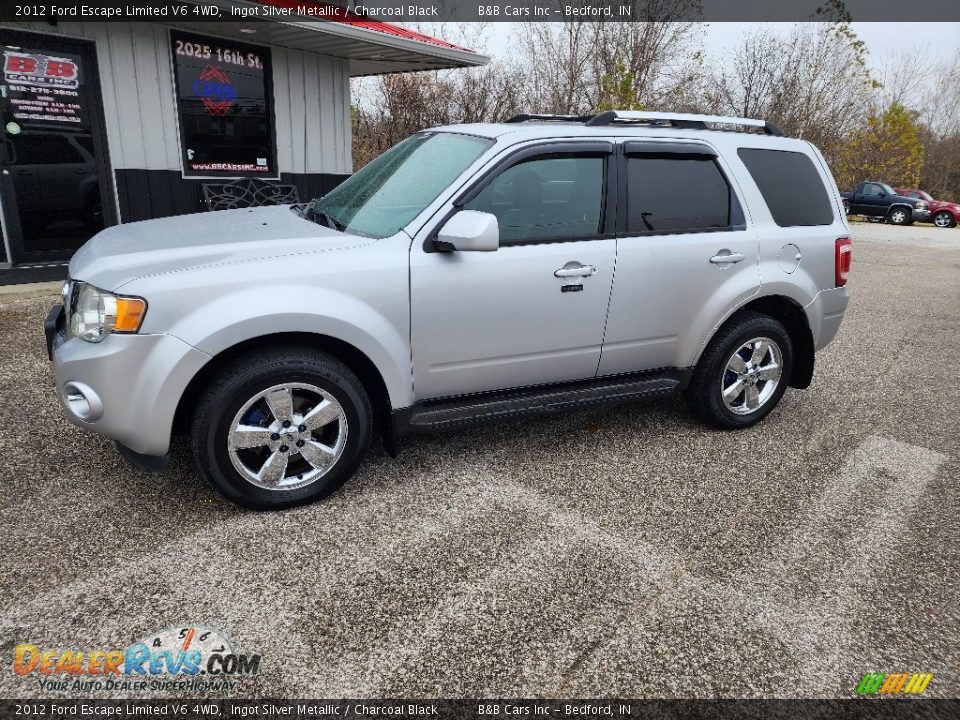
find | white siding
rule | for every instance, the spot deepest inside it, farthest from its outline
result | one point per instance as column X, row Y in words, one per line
column 311, row 99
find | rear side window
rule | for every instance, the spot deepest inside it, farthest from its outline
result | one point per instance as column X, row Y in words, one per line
column 790, row 185
column 677, row 193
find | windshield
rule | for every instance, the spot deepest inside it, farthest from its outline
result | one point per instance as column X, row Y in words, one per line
column 393, row 189
column 887, row 189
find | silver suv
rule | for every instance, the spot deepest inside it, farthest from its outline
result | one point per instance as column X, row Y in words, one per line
column 470, row 273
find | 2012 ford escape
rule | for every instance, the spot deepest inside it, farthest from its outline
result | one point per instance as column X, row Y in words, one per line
column 470, row 273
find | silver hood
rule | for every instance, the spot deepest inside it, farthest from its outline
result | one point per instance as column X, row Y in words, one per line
column 123, row 253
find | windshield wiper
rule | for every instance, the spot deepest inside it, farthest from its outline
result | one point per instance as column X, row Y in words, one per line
column 313, row 212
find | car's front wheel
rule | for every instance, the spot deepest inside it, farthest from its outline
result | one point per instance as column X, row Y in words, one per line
column 743, row 372
column 900, row 216
column 281, row 427
column 944, row 219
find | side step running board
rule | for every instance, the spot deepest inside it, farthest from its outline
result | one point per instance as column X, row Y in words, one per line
column 468, row 410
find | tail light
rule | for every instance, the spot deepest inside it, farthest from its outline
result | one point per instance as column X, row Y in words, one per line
column 843, row 253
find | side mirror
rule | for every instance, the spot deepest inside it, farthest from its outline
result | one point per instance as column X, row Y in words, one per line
column 469, row 230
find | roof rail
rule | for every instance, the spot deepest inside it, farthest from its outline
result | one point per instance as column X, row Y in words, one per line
column 524, row 117
column 679, row 120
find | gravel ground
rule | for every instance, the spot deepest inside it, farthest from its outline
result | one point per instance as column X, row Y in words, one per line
column 618, row 552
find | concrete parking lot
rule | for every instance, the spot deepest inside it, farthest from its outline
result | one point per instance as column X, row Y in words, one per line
column 619, row 552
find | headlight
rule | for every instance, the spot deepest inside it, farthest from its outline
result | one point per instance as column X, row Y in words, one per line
column 97, row 313
column 921, row 205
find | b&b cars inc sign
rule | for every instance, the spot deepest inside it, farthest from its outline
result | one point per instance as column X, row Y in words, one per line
column 44, row 89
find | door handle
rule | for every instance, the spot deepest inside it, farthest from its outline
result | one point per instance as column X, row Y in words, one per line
column 725, row 257
column 576, row 271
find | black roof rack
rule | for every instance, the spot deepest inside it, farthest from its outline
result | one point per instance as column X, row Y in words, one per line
column 524, row 117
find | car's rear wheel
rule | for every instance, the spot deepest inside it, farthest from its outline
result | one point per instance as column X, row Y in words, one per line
column 280, row 428
column 900, row 216
column 743, row 372
column 944, row 219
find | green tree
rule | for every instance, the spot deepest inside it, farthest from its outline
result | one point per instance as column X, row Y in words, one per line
column 618, row 91
column 888, row 149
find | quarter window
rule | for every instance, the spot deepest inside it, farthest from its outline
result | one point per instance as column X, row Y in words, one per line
column 792, row 187
column 677, row 193
column 551, row 197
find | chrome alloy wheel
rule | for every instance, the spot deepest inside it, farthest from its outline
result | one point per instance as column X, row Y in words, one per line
column 942, row 220
column 898, row 217
column 287, row 436
column 751, row 376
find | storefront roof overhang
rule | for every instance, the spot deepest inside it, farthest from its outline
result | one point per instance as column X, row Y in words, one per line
column 373, row 48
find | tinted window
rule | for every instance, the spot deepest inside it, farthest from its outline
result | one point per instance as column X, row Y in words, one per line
column 553, row 197
column 872, row 189
column 790, row 185
column 674, row 193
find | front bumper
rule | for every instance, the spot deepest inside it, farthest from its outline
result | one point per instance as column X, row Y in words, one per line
column 922, row 215
column 126, row 387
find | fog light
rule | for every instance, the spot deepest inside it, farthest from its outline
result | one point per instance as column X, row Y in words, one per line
column 82, row 402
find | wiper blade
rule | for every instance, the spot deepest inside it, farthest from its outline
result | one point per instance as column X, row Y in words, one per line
column 313, row 212
column 327, row 220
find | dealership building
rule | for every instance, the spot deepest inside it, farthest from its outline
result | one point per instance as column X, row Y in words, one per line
column 113, row 122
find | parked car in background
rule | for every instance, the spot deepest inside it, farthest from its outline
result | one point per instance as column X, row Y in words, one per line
column 878, row 200
column 942, row 214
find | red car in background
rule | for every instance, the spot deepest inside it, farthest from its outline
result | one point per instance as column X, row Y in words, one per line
column 942, row 214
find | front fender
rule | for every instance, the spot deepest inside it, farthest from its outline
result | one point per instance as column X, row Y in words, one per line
column 905, row 206
column 227, row 321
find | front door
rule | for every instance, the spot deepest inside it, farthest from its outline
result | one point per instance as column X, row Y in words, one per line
column 54, row 169
column 870, row 201
column 684, row 256
column 533, row 311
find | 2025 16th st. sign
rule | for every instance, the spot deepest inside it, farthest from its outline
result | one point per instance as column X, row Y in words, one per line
column 225, row 109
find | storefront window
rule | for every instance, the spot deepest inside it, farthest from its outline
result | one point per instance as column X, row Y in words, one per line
column 224, row 102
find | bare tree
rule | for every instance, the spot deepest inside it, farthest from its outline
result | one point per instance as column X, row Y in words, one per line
column 391, row 107
column 939, row 111
column 813, row 83
column 580, row 65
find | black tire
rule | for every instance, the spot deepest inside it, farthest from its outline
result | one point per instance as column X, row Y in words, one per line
column 704, row 392
column 946, row 219
column 241, row 381
column 900, row 216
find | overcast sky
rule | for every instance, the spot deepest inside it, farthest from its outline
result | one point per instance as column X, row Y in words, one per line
column 939, row 40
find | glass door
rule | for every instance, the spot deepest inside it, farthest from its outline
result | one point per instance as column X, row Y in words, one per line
column 53, row 162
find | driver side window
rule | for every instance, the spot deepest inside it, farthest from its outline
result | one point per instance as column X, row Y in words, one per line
column 551, row 197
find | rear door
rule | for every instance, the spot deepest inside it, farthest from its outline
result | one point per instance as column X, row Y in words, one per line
column 684, row 256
